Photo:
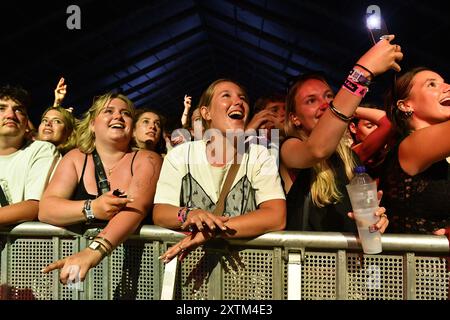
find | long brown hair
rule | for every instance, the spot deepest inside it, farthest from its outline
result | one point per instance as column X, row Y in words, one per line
column 160, row 146
column 401, row 91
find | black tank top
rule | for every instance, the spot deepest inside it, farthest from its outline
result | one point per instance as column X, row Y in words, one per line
column 332, row 217
column 80, row 191
column 420, row 203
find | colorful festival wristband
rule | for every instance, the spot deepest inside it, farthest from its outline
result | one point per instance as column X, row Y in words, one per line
column 355, row 88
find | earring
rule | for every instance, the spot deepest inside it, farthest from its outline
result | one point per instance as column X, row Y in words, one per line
column 408, row 113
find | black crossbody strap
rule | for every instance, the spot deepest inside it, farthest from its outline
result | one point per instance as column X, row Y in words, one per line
column 100, row 176
column 3, row 200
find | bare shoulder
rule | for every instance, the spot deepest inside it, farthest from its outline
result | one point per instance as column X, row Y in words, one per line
column 74, row 157
column 74, row 154
column 147, row 155
column 291, row 143
column 148, row 158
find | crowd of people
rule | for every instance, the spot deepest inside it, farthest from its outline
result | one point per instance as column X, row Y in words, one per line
column 231, row 170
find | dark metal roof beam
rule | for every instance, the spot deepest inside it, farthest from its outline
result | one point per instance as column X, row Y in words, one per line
column 116, row 84
column 289, row 23
column 204, row 81
column 121, row 43
column 261, row 51
column 150, row 52
column 164, row 77
column 260, row 73
column 306, row 53
column 317, row 8
column 270, row 69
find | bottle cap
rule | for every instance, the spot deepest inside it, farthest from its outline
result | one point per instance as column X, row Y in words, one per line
column 360, row 169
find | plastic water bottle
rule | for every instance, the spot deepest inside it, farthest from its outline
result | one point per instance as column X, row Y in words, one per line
column 363, row 196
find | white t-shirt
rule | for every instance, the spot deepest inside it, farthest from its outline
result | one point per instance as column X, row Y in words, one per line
column 257, row 179
column 25, row 173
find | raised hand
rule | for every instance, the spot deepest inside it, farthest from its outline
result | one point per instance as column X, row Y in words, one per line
column 384, row 55
column 60, row 92
column 187, row 102
column 264, row 119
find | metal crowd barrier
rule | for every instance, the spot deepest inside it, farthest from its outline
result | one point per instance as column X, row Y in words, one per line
column 277, row 265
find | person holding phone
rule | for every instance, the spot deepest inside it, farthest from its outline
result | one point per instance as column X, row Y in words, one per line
column 75, row 196
column 316, row 162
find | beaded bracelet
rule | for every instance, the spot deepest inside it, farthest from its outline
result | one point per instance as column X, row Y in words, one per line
column 183, row 213
column 339, row 114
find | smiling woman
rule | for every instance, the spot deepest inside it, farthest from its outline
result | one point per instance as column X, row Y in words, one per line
column 316, row 161
column 77, row 195
column 417, row 179
column 195, row 173
column 58, row 126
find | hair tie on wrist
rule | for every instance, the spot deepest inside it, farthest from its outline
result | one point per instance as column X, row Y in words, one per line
column 339, row 114
column 364, row 68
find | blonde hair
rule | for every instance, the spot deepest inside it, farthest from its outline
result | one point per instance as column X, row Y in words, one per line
column 70, row 129
column 324, row 190
column 85, row 136
column 206, row 98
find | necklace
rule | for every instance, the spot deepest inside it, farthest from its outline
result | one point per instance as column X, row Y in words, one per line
column 110, row 170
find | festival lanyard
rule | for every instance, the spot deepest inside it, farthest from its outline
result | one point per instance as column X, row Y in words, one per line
column 100, row 176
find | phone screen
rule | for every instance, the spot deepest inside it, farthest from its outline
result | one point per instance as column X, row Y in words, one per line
column 377, row 29
column 376, row 32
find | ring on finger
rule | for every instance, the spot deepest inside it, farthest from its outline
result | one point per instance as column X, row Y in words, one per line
column 383, row 215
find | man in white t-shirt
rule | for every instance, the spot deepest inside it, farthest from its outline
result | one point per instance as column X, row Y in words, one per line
column 25, row 166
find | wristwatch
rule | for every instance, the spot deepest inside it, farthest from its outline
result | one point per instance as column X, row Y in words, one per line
column 87, row 211
column 97, row 245
column 358, row 77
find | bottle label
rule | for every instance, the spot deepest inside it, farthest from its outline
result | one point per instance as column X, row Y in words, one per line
column 371, row 196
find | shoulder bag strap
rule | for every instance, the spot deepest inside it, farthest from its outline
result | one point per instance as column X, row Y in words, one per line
column 100, row 176
column 220, row 205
